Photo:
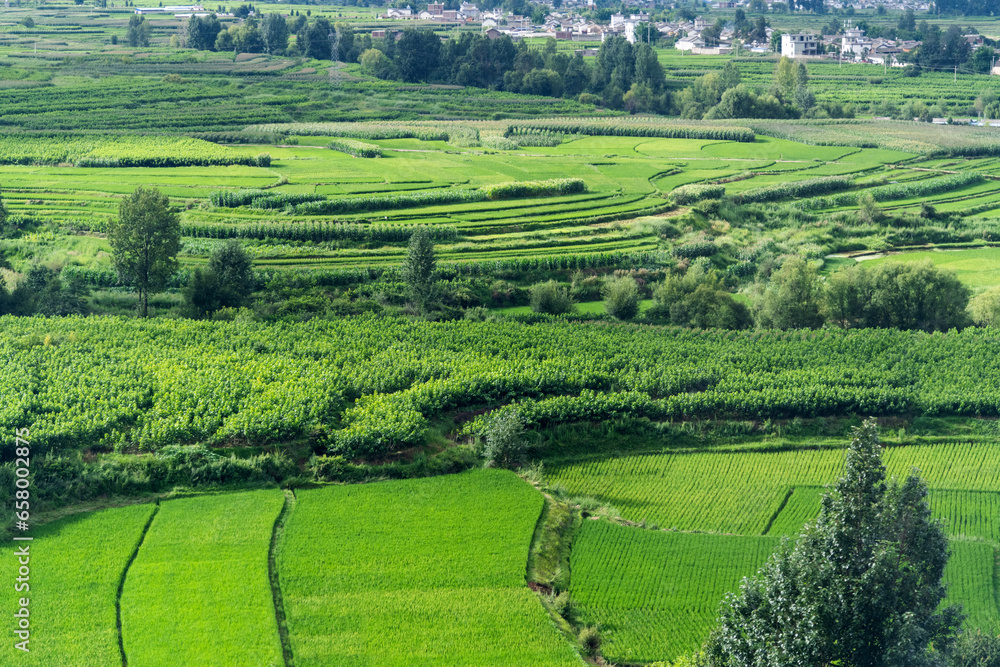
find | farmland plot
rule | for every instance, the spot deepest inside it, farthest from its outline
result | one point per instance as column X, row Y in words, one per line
column 417, row 572
column 75, row 568
column 656, row 593
column 201, row 580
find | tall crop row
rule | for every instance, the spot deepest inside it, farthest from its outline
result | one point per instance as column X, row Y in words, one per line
column 443, row 131
column 355, row 148
column 317, row 232
column 390, row 201
column 122, row 151
column 810, row 188
column 905, row 190
column 551, row 188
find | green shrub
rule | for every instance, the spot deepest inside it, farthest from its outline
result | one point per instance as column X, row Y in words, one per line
column 549, row 297
column 549, row 188
column 621, row 298
column 355, row 148
column 590, row 640
column 688, row 194
column 504, row 445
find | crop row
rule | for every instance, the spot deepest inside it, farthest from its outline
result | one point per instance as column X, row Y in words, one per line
column 622, row 126
column 260, row 199
column 688, row 194
column 906, row 190
column 635, row 127
column 390, row 201
column 317, row 232
column 121, row 151
column 794, row 189
column 355, row 148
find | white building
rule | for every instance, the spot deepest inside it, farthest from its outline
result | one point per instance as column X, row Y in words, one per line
column 798, row 45
column 854, row 41
column 189, row 9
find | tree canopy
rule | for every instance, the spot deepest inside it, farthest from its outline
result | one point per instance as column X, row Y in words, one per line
column 145, row 240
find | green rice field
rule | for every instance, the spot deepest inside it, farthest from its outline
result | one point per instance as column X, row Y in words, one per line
column 419, row 572
column 76, row 565
column 725, row 511
column 201, row 579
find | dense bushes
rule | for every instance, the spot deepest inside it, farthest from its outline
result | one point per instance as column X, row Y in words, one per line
column 698, row 300
column 390, row 201
column 621, row 297
column 260, row 199
column 896, row 295
column 318, row 232
column 551, row 298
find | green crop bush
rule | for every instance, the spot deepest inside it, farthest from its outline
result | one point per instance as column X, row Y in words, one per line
column 688, row 194
column 355, row 148
column 549, row 188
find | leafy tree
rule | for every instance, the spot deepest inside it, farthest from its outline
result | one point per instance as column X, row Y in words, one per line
column 44, row 293
column 315, row 39
column 861, row 587
column 621, row 298
column 741, row 102
column 234, row 269
column 145, row 239
column 549, row 297
column 791, row 299
column 907, row 21
column 202, row 32
column 202, row 292
column 417, row 54
column 698, row 299
column 274, row 33
column 418, row 267
column 137, row 33
column 896, row 295
column 982, row 60
column 377, row 64
column 985, row 308
column 786, row 77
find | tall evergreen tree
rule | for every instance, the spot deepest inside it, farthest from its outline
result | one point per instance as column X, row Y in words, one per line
column 860, row 588
column 418, row 266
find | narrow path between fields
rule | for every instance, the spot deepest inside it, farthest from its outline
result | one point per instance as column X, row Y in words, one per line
column 121, row 583
column 272, row 571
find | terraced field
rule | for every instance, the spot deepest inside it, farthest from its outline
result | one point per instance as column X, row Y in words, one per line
column 644, row 585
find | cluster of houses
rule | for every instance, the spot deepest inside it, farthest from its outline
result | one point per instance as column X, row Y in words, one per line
column 854, row 45
column 567, row 26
